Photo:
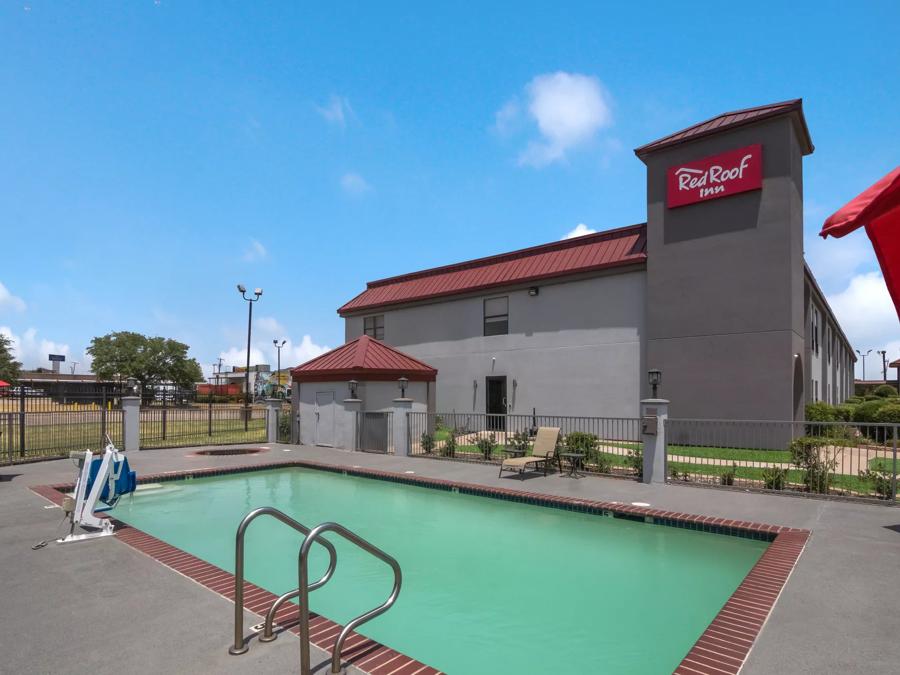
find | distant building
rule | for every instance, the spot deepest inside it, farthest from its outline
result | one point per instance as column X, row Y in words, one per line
column 236, row 377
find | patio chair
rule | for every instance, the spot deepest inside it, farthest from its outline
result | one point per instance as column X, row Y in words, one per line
column 542, row 452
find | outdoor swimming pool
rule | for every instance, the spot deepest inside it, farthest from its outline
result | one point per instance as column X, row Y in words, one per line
column 489, row 585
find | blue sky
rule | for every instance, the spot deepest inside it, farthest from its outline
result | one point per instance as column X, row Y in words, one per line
column 154, row 154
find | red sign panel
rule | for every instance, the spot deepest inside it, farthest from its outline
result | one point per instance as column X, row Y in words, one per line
column 713, row 177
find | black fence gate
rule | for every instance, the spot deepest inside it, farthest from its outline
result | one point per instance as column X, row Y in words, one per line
column 375, row 432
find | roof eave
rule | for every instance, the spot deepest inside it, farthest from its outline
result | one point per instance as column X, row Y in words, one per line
column 637, row 260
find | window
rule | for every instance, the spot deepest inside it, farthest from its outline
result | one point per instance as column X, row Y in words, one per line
column 815, row 331
column 373, row 326
column 496, row 316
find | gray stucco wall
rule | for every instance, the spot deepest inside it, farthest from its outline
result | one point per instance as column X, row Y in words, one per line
column 574, row 349
column 725, row 284
column 374, row 397
column 829, row 377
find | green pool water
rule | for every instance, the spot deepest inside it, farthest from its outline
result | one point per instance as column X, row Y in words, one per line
column 489, row 586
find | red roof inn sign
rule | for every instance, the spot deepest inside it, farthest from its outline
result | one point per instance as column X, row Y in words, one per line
column 713, row 177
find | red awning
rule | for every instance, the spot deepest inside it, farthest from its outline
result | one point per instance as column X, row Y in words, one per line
column 4, row 384
column 878, row 209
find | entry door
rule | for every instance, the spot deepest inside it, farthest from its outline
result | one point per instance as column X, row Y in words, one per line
column 325, row 418
column 496, row 403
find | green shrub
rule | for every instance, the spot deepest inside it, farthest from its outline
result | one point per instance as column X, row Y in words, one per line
column 885, row 391
column 486, row 445
column 889, row 414
column 602, row 463
column 854, row 400
column 427, row 443
column 866, row 411
column 819, row 411
column 809, row 453
column 727, row 476
column 580, row 441
column 880, row 481
column 844, row 412
column 284, row 427
column 774, row 478
column 520, row 441
column 448, row 449
column 634, row 460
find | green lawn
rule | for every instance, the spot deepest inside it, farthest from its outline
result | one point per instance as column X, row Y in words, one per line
column 731, row 454
column 47, row 440
column 885, row 464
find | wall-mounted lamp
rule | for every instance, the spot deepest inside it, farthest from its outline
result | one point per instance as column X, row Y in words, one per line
column 474, row 384
column 515, row 383
column 353, row 384
column 533, row 291
column 403, row 382
column 654, row 377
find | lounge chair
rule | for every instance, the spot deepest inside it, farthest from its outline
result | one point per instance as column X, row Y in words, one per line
column 542, row 453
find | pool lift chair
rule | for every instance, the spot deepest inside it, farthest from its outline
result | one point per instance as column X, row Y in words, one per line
column 102, row 480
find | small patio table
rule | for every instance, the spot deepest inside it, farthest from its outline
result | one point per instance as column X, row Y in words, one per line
column 575, row 459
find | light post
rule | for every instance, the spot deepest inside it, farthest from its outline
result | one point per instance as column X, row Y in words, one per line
column 74, row 363
column 883, row 353
column 864, row 361
column 257, row 293
column 278, row 372
column 654, row 377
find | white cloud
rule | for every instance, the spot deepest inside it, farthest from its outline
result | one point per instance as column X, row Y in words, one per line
column 354, row 184
column 262, row 350
column 270, row 326
column 255, row 252
column 10, row 301
column 832, row 260
column 568, row 109
column 31, row 350
column 506, row 118
column 867, row 315
column 336, row 111
column 580, row 230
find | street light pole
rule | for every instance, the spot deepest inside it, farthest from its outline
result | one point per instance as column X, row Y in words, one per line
column 247, row 400
column 883, row 353
column 278, row 372
column 864, row 361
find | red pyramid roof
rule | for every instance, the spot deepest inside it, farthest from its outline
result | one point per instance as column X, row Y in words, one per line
column 735, row 118
column 363, row 359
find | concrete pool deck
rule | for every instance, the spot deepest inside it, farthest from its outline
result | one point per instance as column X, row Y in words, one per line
column 92, row 607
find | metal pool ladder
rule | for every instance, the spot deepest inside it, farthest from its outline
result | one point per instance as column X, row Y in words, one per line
column 304, row 587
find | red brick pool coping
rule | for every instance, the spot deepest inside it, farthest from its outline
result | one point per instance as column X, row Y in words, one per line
column 721, row 649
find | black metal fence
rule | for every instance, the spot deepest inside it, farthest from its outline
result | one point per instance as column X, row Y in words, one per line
column 845, row 459
column 36, row 435
column 607, row 445
column 163, row 427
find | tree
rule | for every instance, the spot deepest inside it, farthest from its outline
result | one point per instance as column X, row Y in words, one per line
column 149, row 360
column 9, row 367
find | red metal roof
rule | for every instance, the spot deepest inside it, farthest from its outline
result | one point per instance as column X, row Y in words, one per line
column 613, row 248
column 735, row 118
column 363, row 359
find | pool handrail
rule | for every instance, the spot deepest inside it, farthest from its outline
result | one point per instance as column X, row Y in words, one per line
column 239, row 646
column 304, row 588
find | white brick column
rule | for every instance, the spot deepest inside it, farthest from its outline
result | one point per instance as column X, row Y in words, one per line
column 654, row 412
column 400, row 424
column 131, row 423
